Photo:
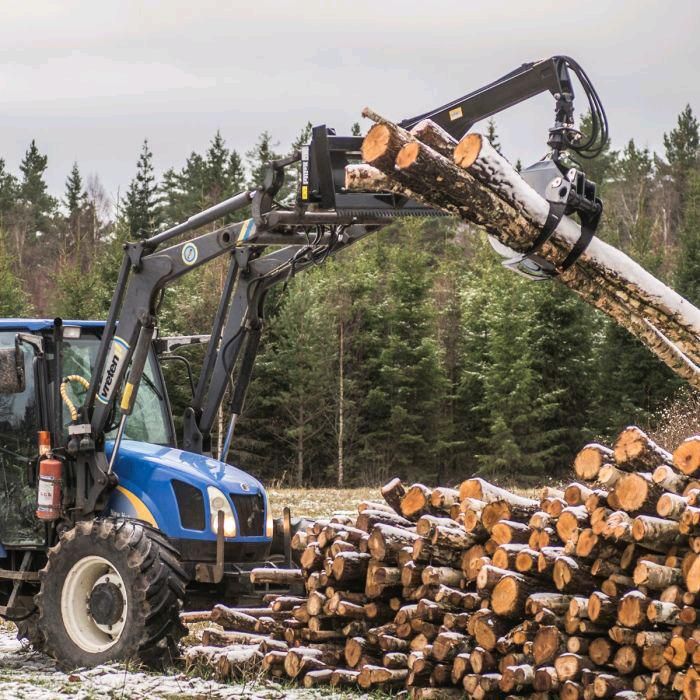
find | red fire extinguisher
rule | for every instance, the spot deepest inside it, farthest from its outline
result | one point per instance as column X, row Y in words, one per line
column 49, row 490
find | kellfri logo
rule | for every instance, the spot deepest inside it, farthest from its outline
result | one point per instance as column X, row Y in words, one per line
column 119, row 353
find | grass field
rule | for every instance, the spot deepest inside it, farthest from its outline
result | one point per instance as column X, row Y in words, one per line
column 318, row 503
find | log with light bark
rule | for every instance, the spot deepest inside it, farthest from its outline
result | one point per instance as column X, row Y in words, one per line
column 482, row 187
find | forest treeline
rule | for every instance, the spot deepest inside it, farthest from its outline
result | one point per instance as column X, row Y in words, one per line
column 415, row 353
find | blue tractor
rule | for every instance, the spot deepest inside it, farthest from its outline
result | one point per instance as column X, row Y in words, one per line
column 111, row 585
column 109, row 523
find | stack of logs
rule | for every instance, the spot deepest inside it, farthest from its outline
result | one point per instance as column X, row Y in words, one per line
column 592, row 591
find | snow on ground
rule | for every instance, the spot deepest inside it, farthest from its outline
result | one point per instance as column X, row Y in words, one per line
column 29, row 675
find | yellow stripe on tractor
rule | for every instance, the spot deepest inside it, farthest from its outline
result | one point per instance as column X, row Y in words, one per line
column 142, row 512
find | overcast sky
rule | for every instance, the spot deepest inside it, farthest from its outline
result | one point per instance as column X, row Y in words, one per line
column 89, row 80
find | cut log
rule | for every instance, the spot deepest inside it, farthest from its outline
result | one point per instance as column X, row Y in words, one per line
column 215, row 637
column 576, row 494
column 510, row 532
column 434, row 136
column 369, row 518
column 632, row 610
column 570, row 666
column 443, row 498
column 686, row 457
column 488, row 628
column 669, row 479
column 548, row 644
column 655, row 576
column 637, row 493
column 393, row 492
column 572, row 577
column 232, row 619
column 416, row 502
column 482, row 490
column 670, row 505
column 570, row 520
column 656, row 533
column 589, row 460
column 634, row 450
column 602, row 608
column 385, row 541
column 509, row 595
column 350, row 566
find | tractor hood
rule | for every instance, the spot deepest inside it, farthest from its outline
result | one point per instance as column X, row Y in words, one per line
column 146, row 474
column 198, row 470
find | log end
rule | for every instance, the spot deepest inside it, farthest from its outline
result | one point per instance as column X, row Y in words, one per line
column 686, row 456
column 407, row 155
column 376, row 143
column 467, row 150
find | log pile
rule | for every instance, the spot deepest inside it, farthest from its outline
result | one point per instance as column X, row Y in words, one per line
column 591, row 591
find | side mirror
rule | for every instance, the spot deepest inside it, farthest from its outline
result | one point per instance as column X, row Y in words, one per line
column 11, row 370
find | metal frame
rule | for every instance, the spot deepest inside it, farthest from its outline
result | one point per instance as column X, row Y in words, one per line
column 325, row 221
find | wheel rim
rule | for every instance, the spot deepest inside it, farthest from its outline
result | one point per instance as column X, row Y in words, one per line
column 85, row 575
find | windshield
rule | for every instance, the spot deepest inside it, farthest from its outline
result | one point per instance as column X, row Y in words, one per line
column 149, row 421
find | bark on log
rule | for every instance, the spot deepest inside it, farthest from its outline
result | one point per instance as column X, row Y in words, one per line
column 656, row 533
column 385, row 541
column 482, row 490
column 393, row 492
column 669, row 479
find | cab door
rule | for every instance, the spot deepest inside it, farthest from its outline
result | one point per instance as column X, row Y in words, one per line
column 19, row 425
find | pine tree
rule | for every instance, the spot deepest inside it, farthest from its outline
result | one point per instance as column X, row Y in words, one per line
column 296, row 381
column 33, row 188
column 258, row 158
column 406, row 379
column 492, row 134
column 688, row 270
column 602, row 168
column 683, row 142
column 682, row 146
column 630, row 222
column 13, row 298
column 142, row 207
column 74, row 195
column 8, row 191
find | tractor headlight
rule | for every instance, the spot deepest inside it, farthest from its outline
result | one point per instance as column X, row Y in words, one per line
column 269, row 524
column 219, row 502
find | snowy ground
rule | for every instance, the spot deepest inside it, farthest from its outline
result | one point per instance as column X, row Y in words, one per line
column 28, row 675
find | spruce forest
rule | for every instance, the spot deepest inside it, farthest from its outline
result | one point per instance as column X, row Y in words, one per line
column 416, row 354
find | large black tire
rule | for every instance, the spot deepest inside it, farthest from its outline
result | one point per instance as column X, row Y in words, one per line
column 153, row 584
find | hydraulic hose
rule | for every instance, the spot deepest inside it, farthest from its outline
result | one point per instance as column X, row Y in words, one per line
column 64, row 393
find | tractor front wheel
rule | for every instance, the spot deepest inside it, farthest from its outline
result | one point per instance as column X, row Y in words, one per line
column 111, row 590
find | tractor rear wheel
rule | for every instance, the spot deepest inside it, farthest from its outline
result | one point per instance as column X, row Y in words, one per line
column 111, row 590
